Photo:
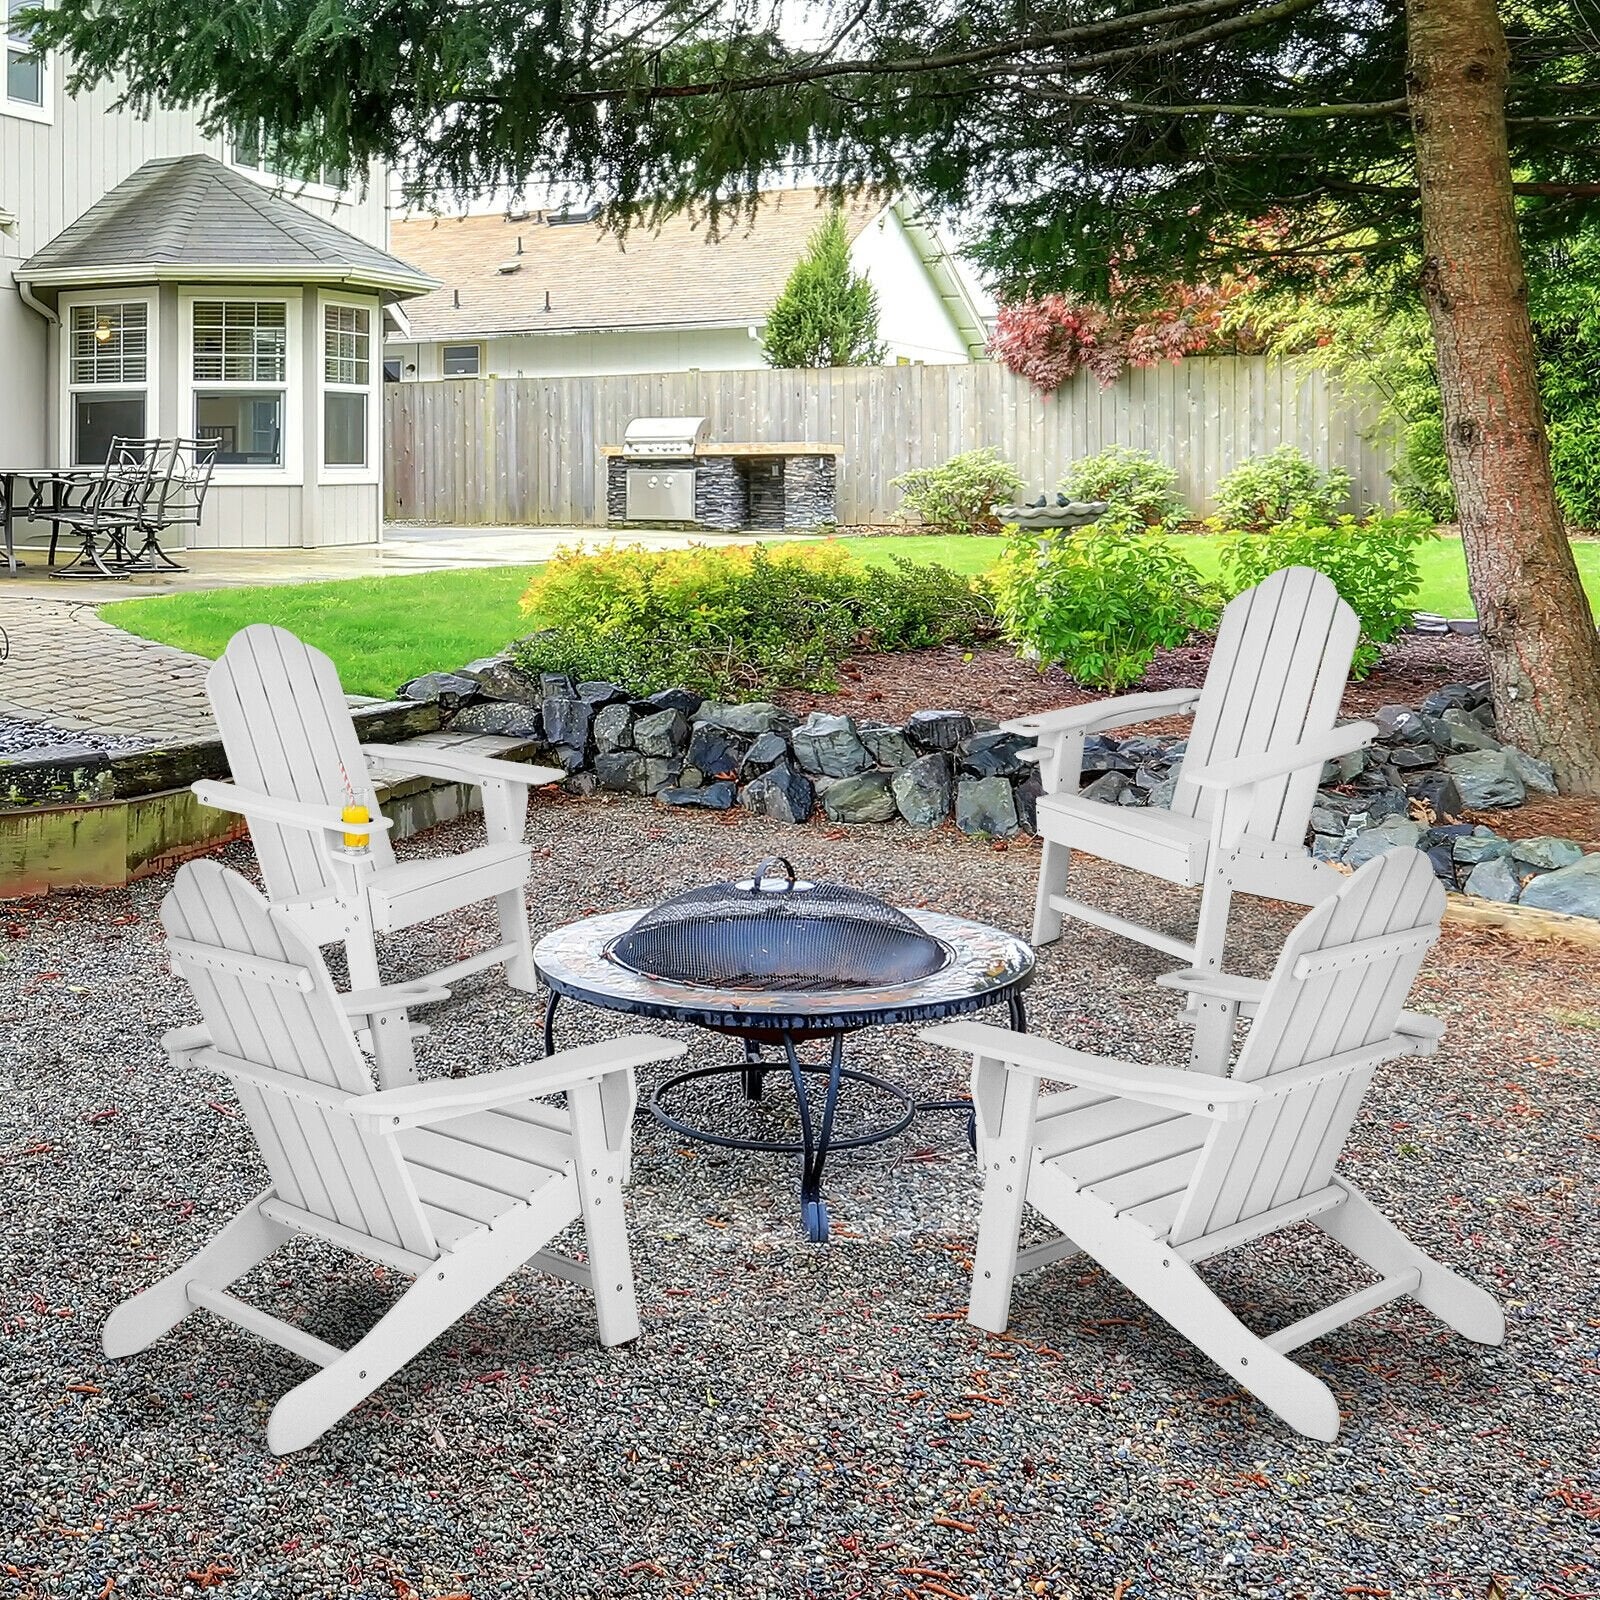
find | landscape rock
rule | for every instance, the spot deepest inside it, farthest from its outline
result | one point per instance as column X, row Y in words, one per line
column 613, row 728
column 512, row 717
column 661, row 773
column 765, row 752
column 1160, row 797
column 753, row 718
column 922, row 790
column 1410, row 757
column 1537, row 775
column 567, row 720
column 663, row 734
column 1026, row 796
column 677, row 699
column 622, row 771
column 939, row 730
column 1108, row 789
column 1546, row 853
column 500, row 679
column 717, row 796
column 1438, row 791
column 1493, row 879
column 989, row 755
column 828, row 745
column 600, row 693
column 1482, row 845
column 783, row 794
column 1574, row 890
column 1458, row 730
column 717, row 753
column 862, row 797
column 1394, row 834
column 1400, row 724
column 444, row 689
column 1451, row 697
column 1486, row 778
column 987, row 806
column 887, row 744
column 557, row 686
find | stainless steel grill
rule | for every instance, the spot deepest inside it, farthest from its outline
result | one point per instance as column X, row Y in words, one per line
column 776, row 931
column 665, row 490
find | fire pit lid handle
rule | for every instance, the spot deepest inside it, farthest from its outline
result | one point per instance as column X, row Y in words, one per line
column 759, row 877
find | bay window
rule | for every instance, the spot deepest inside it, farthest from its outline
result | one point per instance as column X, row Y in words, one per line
column 346, row 384
column 108, row 375
column 239, row 369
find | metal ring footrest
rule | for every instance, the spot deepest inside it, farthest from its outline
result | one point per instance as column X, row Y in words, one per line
column 784, row 1147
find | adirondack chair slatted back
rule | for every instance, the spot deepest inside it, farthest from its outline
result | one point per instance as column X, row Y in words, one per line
column 1277, row 673
column 266, row 998
column 1339, row 986
column 288, row 734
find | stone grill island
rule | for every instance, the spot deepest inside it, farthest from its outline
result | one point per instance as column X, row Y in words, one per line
column 666, row 473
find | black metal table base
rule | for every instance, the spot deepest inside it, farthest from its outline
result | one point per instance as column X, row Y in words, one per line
column 816, row 1141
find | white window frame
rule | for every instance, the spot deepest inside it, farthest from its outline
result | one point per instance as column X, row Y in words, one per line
column 152, row 363
column 284, row 182
column 371, row 471
column 462, row 344
column 291, row 472
column 22, row 109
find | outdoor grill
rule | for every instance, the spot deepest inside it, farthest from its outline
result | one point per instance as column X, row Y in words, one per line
column 663, row 488
column 770, row 931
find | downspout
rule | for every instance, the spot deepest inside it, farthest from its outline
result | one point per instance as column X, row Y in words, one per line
column 32, row 301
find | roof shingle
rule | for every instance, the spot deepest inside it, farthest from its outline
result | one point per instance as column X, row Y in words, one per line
column 676, row 276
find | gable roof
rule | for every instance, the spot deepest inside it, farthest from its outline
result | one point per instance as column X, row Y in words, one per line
column 193, row 218
column 677, row 276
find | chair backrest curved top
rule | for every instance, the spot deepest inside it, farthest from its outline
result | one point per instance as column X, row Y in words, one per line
column 1277, row 674
column 288, row 733
column 268, row 1002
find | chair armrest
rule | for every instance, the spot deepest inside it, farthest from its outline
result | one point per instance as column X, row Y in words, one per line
column 391, row 997
column 417, row 1104
column 1215, row 985
column 1423, row 1031
column 1243, row 771
column 184, row 1041
column 463, row 768
column 286, row 813
column 1125, row 711
column 1161, row 1086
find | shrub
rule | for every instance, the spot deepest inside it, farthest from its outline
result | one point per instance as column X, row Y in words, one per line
column 1372, row 561
column 736, row 621
column 827, row 315
column 1100, row 602
column 1140, row 492
column 1261, row 492
column 956, row 497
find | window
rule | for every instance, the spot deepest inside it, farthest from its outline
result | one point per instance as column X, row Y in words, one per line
column 253, row 152
column 108, row 375
column 462, row 360
column 27, row 76
column 347, row 378
column 240, row 368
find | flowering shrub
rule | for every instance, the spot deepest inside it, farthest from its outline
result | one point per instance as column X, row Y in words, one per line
column 956, row 497
column 1049, row 339
column 738, row 620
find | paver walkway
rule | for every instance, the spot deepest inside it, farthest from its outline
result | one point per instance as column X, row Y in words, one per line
column 63, row 663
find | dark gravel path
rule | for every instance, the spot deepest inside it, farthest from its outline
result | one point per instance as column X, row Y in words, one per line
column 795, row 1421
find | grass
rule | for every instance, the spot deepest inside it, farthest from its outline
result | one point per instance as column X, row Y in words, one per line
column 381, row 631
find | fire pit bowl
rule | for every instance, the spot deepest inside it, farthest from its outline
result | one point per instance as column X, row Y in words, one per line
column 766, row 931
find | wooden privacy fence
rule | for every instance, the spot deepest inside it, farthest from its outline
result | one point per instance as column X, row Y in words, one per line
column 527, row 450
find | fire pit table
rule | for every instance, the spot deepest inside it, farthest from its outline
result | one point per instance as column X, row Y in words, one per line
column 776, row 962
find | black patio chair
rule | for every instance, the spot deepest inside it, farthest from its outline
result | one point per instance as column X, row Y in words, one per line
column 101, row 507
column 178, row 499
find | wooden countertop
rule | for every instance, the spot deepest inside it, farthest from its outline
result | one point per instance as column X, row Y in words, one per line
column 714, row 449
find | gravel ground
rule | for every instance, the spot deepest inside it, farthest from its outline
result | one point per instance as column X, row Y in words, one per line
column 19, row 735
column 795, row 1421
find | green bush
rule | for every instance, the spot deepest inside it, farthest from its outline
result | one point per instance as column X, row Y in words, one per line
column 739, row 621
column 1372, row 561
column 1261, row 492
column 956, row 497
column 1140, row 492
column 1100, row 603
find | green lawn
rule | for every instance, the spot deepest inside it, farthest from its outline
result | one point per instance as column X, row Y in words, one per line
column 381, row 631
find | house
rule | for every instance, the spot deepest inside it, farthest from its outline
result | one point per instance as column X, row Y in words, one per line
column 552, row 294
column 154, row 281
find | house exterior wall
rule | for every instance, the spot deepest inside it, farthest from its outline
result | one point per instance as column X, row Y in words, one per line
column 51, row 172
column 913, row 321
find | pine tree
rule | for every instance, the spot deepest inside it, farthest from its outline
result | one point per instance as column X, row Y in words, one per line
column 827, row 315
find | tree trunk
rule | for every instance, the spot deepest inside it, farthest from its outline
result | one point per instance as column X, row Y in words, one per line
column 1538, row 631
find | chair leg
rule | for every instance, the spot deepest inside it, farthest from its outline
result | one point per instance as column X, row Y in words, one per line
column 247, row 1240
column 515, row 930
column 442, row 1295
column 1176, row 1292
column 1211, row 933
column 600, row 1131
column 1364, row 1231
column 1006, row 1105
column 392, row 1050
column 1053, row 862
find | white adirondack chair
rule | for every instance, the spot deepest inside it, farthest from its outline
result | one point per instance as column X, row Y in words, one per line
column 1148, row 1170
column 296, row 763
column 458, row 1182
column 1263, row 727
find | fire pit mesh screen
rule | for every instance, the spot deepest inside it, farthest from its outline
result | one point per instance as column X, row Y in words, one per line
column 778, row 932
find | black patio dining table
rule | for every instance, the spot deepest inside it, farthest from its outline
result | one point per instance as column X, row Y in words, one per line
column 985, row 966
